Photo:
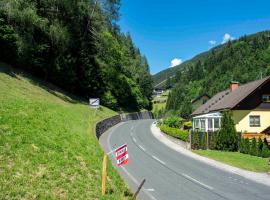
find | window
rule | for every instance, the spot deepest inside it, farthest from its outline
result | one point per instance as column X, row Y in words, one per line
column 202, row 124
column 210, row 124
column 254, row 121
column 216, row 123
column 196, row 123
column 266, row 98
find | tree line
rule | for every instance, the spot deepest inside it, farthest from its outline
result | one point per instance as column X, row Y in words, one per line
column 78, row 46
column 243, row 60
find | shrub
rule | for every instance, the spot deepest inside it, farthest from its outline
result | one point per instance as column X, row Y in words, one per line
column 195, row 140
column 245, row 146
column 203, row 141
column 187, row 125
column 265, row 142
column 265, row 151
column 174, row 122
column 213, row 140
column 253, row 149
column 259, row 147
column 227, row 139
column 175, row 132
column 242, row 146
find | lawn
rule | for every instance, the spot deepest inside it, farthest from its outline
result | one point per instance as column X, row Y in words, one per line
column 244, row 161
column 48, row 148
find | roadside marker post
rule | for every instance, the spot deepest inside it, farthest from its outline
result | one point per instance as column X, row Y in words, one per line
column 104, row 174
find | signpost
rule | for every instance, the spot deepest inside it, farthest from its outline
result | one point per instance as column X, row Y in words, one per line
column 121, row 155
column 94, row 102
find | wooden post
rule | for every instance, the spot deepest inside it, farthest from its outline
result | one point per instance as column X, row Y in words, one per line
column 138, row 190
column 104, row 165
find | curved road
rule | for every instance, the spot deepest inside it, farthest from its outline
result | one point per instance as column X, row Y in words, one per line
column 171, row 175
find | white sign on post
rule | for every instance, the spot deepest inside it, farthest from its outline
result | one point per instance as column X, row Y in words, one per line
column 94, row 102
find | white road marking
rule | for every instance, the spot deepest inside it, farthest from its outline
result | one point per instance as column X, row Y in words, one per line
column 192, row 179
column 150, row 189
column 134, row 139
column 142, row 148
column 158, row 160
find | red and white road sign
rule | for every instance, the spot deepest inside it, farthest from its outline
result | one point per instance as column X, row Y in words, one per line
column 121, row 155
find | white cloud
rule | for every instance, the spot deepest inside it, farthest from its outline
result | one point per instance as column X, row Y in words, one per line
column 227, row 37
column 212, row 42
column 175, row 62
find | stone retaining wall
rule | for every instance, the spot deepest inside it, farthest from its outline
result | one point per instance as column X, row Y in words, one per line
column 105, row 124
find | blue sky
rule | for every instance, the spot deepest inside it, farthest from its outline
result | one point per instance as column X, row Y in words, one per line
column 177, row 30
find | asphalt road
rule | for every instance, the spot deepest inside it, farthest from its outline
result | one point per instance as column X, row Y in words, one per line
column 171, row 175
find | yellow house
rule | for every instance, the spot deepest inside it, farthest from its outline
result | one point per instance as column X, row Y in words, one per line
column 249, row 103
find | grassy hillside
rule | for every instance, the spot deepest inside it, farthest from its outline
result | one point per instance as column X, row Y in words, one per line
column 48, row 149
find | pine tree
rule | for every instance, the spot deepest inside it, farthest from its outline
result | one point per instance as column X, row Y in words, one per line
column 253, row 148
column 260, row 146
column 227, row 139
column 265, row 151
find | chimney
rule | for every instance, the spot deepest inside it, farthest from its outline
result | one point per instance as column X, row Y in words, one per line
column 234, row 85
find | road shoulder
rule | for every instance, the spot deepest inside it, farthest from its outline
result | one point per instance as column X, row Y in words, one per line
column 262, row 178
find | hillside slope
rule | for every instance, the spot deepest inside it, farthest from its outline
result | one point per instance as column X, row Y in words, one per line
column 48, row 148
column 159, row 79
column 242, row 60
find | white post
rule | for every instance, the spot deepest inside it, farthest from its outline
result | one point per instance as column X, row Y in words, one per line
column 213, row 124
column 206, row 124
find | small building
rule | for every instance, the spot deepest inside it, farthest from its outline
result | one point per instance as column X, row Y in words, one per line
column 249, row 103
column 200, row 100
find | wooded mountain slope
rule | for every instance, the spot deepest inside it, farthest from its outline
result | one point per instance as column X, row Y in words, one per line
column 78, row 46
column 243, row 60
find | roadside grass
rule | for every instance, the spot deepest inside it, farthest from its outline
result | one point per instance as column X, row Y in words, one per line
column 237, row 159
column 48, row 148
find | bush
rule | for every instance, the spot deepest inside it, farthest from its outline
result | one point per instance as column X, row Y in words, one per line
column 259, row 147
column 265, row 142
column 195, row 144
column 175, row 132
column 174, row 122
column 187, row 125
column 265, row 151
column 227, row 139
column 245, row 146
column 242, row 146
column 253, row 149
column 213, row 140
column 203, row 141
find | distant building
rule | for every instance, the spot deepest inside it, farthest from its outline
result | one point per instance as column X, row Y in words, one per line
column 158, row 92
column 249, row 103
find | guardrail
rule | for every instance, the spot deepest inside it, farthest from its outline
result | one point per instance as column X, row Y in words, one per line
column 105, row 124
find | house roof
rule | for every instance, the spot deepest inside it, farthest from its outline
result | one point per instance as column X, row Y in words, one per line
column 197, row 98
column 229, row 99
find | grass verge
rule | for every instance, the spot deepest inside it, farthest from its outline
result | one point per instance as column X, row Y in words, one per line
column 243, row 161
column 48, row 149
